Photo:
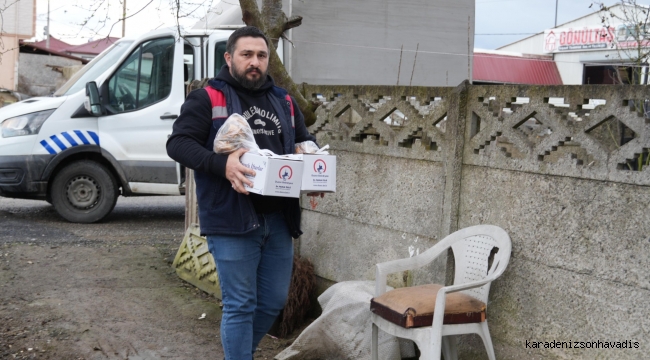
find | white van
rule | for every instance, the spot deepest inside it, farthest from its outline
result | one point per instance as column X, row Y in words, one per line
column 81, row 158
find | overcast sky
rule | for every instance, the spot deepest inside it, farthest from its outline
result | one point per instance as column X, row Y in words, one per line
column 67, row 17
column 523, row 17
column 492, row 17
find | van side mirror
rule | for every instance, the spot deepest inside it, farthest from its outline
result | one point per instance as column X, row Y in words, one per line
column 92, row 103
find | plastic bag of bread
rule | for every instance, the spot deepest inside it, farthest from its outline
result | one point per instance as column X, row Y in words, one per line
column 306, row 147
column 234, row 134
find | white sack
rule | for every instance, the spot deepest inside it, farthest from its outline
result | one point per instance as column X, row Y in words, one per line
column 343, row 331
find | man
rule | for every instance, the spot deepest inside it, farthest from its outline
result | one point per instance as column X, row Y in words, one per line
column 248, row 235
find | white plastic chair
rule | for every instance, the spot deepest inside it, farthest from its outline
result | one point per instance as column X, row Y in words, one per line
column 472, row 247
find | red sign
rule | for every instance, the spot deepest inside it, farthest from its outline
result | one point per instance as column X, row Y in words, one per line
column 561, row 40
column 594, row 38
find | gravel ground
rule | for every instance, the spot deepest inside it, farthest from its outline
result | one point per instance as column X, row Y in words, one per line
column 103, row 291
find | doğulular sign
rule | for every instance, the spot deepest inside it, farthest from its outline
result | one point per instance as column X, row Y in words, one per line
column 594, row 38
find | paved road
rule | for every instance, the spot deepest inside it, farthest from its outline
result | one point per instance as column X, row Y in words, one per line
column 135, row 220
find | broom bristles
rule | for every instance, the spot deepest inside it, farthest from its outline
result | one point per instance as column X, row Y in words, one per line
column 299, row 299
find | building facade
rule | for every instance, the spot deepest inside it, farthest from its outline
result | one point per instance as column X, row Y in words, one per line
column 373, row 42
column 18, row 23
column 590, row 51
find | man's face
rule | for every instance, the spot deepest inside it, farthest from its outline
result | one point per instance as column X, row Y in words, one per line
column 250, row 62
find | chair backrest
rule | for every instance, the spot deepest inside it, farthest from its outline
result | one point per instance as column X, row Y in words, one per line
column 480, row 252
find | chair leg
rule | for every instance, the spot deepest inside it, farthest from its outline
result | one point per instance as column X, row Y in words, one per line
column 427, row 350
column 374, row 348
column 446, row 351
column 487, row 340
column 453, row 345
column 449, row 348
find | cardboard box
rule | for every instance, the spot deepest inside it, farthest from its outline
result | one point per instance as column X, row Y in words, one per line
column 275, row 175
column 319, row 173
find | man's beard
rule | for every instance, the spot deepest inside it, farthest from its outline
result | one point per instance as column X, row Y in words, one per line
column 246, row 83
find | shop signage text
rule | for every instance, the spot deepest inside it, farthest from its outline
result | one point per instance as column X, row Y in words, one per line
column 594, row 38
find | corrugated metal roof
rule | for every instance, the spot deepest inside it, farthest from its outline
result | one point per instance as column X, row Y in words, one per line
column 515, row 70
column 55, row 44
column 93, row 47
column 41, row 48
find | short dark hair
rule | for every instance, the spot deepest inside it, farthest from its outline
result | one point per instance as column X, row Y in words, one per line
column 246, row 31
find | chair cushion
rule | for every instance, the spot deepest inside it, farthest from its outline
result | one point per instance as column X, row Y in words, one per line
column 411, row 307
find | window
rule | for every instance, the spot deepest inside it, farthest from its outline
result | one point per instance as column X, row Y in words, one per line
column 95, row 68
column 144, row 78
column 188, row 63
column 615, row 74
column 219, row 60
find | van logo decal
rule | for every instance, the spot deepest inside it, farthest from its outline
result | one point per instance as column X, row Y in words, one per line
column 68, row 139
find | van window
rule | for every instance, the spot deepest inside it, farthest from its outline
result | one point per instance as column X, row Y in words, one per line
column 144, row 78
column 94, row 68
column 219, row 61
column 188, row 63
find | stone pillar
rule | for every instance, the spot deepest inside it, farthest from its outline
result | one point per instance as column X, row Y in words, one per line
column 456, row 124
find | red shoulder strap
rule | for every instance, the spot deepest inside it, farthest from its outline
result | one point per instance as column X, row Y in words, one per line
column 218, row 102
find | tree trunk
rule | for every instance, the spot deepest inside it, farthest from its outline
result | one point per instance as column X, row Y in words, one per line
column 273, row 22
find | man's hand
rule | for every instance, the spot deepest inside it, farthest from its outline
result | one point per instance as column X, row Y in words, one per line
column 235, row 172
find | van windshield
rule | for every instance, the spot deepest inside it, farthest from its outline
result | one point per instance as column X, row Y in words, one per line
column 94, row 69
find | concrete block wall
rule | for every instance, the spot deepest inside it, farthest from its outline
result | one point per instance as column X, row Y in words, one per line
column 37, row 77
column 387, row 203
column 559, row 179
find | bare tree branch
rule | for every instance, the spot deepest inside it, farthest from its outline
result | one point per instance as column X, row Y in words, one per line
column 251, row 14
column 631, row 40
column 124, row 18
column 91, row 16
column 273, row 22
column 293, row 22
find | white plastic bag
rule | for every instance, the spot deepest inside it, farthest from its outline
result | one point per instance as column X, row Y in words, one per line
column 233, row 135
column 310, row 147
column 306, row 147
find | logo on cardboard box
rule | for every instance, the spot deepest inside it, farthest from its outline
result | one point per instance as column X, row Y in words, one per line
column 320, row 166
column 286, row 173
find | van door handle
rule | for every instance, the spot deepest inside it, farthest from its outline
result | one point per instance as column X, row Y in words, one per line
column 168, row 116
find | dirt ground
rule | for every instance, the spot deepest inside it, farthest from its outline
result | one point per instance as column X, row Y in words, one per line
column 85, row 296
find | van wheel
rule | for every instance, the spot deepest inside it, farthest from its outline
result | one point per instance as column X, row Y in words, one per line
column 84, row 192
